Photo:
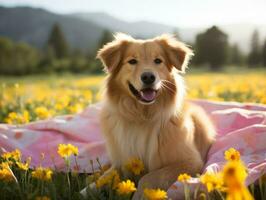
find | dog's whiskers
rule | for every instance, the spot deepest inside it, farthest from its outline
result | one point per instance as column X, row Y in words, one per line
column 168, row 88
column 166, row 81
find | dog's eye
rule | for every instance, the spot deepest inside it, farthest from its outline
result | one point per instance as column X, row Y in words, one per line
column 133, row 61
column 158, row 60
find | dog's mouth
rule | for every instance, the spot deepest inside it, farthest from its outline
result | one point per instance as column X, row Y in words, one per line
column 145, row 95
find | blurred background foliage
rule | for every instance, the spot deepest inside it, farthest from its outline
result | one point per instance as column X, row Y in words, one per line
column 57, row 52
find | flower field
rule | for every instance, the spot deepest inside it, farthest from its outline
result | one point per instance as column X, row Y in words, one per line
column 28, row 99
column 18, row 181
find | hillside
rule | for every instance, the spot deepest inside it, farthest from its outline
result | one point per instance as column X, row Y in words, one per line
column 238, row 33
column 33, row 26
column 140, row 28
column 83, row 30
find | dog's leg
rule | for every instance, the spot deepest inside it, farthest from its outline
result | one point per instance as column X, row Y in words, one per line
column 165, row 177
column 204, row 131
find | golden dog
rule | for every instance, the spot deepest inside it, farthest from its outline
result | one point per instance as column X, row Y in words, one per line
column 144, row 113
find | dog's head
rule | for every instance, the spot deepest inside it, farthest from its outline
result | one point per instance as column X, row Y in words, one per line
column 144, row 68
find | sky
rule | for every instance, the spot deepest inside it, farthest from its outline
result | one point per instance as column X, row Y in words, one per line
column 182, row 13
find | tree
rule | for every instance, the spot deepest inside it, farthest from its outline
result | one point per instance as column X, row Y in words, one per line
column 17, row 58
column 236, row 56
column 25, row 58
column 264, row 54
column 254, row 58
column 58, row 42
column 107, row 36
column 211, row 47
column 6, row 51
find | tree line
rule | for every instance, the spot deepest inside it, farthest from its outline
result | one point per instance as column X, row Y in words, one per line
column 211, row 48
column 19, row 58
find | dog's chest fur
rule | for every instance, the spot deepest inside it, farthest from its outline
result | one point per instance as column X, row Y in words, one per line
column 148, row 141
column 128, row 140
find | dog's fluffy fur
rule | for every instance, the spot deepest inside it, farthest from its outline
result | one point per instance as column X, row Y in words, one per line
column 169, row 135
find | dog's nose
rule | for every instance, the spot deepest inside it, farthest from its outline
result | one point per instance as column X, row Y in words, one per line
column 147, row 78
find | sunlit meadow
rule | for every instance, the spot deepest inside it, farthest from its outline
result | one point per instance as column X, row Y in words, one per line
column 33, row 98
column 28, row 99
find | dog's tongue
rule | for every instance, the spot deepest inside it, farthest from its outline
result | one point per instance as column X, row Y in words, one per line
column 148, row 94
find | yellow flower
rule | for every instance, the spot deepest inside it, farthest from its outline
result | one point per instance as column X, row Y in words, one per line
column 23, row 166
column 112, row 178
column 25, row 116
column 59, row 106
column 234, row 172
column 212, row 181
column 11, row 118
column 6, row 175
column 263, row 100
column 42, row 198
column 44, row 174
column 17, row 118
column 126, row 187
column 76, row 108
column 155, row 194
column 66, row 150
column 135, row 166
column 5, row 172
column 42, row 112
column 16, row 155
column 183, row 177
column 16, row 85
column 234, row 175
column 4, row 165
column 232, row 154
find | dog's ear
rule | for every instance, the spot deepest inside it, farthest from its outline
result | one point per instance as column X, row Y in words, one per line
column 177, row 53
column 111, row 54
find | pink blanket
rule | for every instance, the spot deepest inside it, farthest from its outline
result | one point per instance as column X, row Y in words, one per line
column 242, row 126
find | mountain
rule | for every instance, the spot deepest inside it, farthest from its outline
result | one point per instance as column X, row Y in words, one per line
column 83, row 30
column 143, row 29
column 33, row 26
column 238, row 33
